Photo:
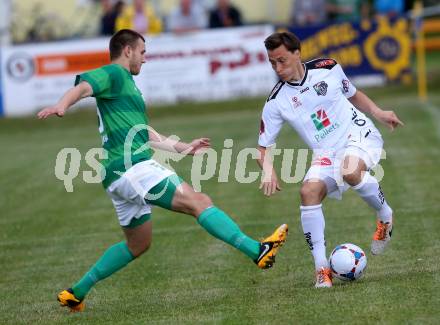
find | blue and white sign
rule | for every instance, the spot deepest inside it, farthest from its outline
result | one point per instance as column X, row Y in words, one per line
column 1, row 86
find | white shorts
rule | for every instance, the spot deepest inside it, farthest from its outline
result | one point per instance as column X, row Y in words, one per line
column 363, row 142
column 128, row 192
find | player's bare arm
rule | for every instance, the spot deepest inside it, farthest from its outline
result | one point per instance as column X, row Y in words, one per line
column 72, row 96
column 366, row 105
column 159, row 141
column 269, row 184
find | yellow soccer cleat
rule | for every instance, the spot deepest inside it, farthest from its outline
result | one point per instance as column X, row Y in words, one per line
column 269, row 247
column 324, row 278
column 68, row 299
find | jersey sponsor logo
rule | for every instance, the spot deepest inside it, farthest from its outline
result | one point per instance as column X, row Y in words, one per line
column 304, row 90
column 323, row 124
column 261, row 127
column 320, row 119
column 345, row 85
column 324, row 63
column 296, row 102
column 322, row 161
column 325, row 132
column 321, row 88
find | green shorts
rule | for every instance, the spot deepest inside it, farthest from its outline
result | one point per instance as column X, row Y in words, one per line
column 162, row 194
column 143, row 185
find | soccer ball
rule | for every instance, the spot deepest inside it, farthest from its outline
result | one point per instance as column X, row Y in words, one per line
column 348, row 262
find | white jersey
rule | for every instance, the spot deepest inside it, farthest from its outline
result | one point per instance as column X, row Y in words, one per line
column 316, row 107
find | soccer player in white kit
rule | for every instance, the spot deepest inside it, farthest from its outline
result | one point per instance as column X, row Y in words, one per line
column 318, row 101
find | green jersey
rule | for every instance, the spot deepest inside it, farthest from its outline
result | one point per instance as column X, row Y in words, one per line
column 120, row 108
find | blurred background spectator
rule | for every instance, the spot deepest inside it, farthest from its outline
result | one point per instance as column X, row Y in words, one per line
column 139, row 16
column 187, row 16
column 109, row 14
column 224, row 15
column 39, row 26
column 347, row 10
column 308, row 12
column 46, row 20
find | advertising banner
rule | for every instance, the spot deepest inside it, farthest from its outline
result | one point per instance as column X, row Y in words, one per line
column 1, row 87
column 378, row 50
column 201, row 66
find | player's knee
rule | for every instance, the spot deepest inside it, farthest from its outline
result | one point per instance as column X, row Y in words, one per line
column 205, row 200
column 201, row 202
column 352, row 170
column 192, row 203
column 311, row 193
column 352, row 178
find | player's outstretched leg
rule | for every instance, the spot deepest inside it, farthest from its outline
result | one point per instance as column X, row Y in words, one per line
column 370, row 191
column 218, row 223
column 116, row 257
column 221, row 226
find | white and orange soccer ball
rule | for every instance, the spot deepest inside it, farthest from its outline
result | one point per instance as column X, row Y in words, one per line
column 348, row 262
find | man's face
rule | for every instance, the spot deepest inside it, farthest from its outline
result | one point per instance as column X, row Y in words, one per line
column 137, row 57
column 223, row 4
column 284, row 62
column 138, row 5
column 185, row 5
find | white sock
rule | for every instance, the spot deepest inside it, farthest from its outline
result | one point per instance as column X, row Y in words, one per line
column 369, row 190
column 313, row 224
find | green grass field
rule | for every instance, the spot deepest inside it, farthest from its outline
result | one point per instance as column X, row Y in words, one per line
column 49, row 237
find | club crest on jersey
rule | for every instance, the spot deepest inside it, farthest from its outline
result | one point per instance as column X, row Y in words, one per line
column 321, row 88
column 296, row 102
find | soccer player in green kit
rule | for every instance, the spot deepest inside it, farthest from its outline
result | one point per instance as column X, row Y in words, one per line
column 143, row 183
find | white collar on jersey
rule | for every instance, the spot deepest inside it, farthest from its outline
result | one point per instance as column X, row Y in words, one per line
column 300, row 83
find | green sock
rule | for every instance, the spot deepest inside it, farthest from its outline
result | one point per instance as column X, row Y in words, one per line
column 113, row 259
column 221, row 226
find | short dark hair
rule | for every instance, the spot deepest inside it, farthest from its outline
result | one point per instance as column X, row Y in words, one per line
column 288, row 39
column 121, row 39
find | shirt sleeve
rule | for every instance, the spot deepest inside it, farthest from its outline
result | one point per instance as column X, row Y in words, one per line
column 348, row 89
column 270, row 125
column 100, row 81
